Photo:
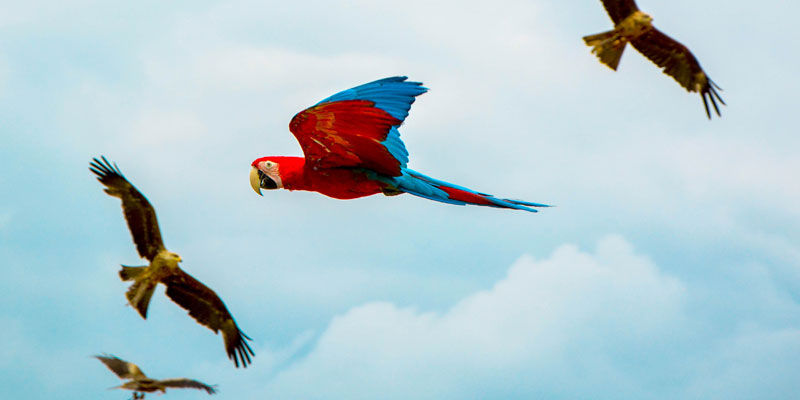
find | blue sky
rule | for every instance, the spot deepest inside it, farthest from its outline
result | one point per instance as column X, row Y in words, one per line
column 670, row 268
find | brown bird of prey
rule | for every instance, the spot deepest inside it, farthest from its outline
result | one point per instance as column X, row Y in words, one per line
column 202, row 303
column 140, row 383
column 675, row 59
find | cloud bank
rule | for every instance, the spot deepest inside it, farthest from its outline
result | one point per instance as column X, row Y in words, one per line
column 606, row 324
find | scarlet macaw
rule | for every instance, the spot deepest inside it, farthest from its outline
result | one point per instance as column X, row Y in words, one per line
column 353, row 149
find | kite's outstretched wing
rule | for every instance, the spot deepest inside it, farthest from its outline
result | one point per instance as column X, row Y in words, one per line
column 208, row 309
column 123, row 369
column 619, row 9
column 138, row 212
column 678, row 62
column 357, row 128
column 187, row 383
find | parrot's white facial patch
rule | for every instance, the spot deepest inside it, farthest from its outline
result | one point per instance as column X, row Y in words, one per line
column 270, row 169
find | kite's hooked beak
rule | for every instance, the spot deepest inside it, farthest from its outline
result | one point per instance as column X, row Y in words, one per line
column 255, row 180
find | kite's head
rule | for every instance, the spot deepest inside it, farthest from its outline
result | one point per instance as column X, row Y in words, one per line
column 265, row 173
column 173, row 257
column 169, row 257
column 642, row 18
column 166, row 257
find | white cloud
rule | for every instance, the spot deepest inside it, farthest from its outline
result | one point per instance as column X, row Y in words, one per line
column 574, row 316
column 607, row 324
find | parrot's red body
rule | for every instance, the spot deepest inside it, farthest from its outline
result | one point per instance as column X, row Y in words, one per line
column 339, row 183
column 353, row 149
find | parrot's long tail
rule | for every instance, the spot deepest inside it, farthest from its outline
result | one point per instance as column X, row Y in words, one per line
column 421, row 185
column 608, row 46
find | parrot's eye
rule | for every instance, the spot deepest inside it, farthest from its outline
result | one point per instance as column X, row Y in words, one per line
column 269, row 164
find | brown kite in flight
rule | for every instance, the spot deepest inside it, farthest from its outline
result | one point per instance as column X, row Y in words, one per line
column 140, row 383
column 202, row 303
column 634, row 26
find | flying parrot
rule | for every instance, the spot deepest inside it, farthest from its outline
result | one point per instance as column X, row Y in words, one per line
column 353, row 149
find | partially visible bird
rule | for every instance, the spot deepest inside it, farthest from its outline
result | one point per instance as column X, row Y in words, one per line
column 675, row 59
column 202, row 303
column 139, row 383
column 353, row 149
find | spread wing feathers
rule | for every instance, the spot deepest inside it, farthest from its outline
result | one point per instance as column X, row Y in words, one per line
column 186, row 383
column 384, row 151
column 619, row 9
column 393, row 95
column 424, row 186
column 123, row 369
column 208, row 309
column 349, row 133
column 139, row 214
column 678, row 62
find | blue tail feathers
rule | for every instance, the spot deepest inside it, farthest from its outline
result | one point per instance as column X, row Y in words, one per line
column 424, row 186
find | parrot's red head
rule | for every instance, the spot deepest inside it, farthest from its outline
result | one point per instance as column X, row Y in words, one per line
column 267, row 171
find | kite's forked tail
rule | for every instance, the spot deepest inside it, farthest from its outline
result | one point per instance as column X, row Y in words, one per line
column 128, row 273
column 421, row 185
column 608, row 46
column 141, row 291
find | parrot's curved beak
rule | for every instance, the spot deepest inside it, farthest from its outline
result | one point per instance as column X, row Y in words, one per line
column 255, row 180
column 260, row 180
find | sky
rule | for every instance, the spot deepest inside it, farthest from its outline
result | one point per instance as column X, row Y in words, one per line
column 670, row 267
